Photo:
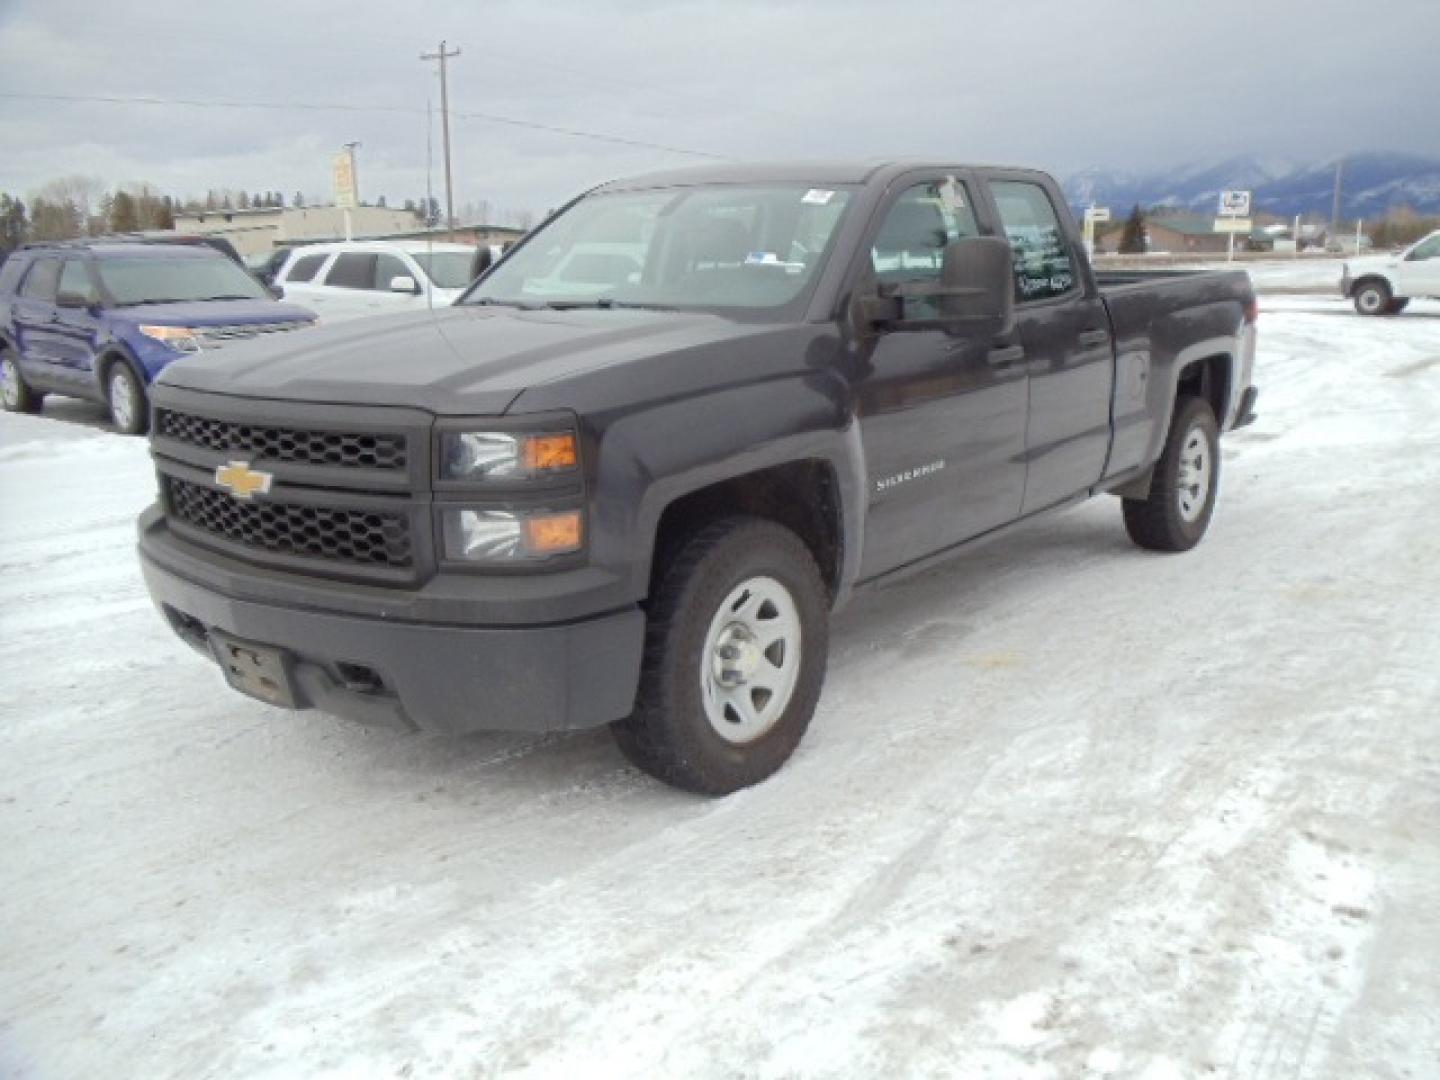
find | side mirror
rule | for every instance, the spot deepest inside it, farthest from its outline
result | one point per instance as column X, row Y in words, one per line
column 404, row 283
column 72, row 300
column 975, row 292
column 275, row 290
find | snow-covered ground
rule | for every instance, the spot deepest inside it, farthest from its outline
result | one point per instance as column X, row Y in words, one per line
column 1066, row 810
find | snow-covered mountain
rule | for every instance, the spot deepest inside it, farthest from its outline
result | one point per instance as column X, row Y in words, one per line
column 1372, row 183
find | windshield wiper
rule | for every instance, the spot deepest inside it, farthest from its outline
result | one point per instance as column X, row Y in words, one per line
column 490, row 301
column 604, row 303
column 228, row 296
column 158, row 300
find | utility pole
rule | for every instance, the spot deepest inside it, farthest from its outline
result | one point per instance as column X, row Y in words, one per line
column 442, row 55
column 1335, row 206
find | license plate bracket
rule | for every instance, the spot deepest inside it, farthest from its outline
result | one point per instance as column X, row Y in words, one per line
column 260, row 671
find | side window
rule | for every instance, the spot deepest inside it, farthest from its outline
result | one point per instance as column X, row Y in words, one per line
column 75, row 279
column 305, row 268
column 910, row 243
column 42, row 280
column 388, row 267
column 10, row 272
column 1430, row 249
column 1044, row 267
column 353, row 270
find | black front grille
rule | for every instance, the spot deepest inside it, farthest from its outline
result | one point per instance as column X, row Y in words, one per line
column 359, row 537
column 332, row 448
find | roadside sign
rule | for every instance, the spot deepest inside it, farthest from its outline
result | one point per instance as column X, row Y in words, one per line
column 1098, row 214
column 1233, row 225
column 342, row 179
column 1235, row 204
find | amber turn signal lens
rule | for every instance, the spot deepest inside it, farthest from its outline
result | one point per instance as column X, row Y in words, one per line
column 553, row 534
column 550, row 453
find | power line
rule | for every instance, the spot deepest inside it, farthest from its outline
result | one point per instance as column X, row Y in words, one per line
column 493, row 118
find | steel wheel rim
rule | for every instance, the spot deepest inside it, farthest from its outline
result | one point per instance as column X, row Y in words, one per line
column 1370, row 300
column 122, row 401
column 1196, row 465
column 9, row 383
column 751, row 660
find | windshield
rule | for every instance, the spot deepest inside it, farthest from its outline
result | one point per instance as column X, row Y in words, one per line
column 724, row 246
column 156, row 280
column 447, row 269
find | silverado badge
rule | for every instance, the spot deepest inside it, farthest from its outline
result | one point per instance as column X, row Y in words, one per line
column 242, row 481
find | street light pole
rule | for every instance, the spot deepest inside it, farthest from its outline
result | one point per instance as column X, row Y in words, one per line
column 442, row 55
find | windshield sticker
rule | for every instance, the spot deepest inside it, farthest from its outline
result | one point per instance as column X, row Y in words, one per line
column 817, row 196
column 761, row 258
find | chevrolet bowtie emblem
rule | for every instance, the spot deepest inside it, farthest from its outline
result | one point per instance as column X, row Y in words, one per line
column 242, row 481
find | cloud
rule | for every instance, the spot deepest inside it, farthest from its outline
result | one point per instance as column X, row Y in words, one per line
column 1059, row 84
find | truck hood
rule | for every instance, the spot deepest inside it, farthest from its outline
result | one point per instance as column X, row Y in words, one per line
column 1371, row 264
column 214, row 313
column 455, row 361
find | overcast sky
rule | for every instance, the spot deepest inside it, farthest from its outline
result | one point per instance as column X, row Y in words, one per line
column 1062, row 84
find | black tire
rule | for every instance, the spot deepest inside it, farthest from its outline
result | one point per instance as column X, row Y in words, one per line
column 15, row 392
column 1169, row 519
column 669, row 735
column 1399, row 304
column 126, row 399
column 1372, row 298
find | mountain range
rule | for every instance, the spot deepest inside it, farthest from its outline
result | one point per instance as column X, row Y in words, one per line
column 1371, row 184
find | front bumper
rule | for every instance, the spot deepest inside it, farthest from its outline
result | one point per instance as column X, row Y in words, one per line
column 449, row 678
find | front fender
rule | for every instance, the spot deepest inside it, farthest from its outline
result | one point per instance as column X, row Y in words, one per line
column 663, row 451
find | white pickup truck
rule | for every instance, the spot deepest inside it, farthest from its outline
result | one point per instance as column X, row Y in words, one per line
column 1384, row 284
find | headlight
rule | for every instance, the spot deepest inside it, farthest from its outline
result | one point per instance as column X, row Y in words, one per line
column 182, row 338
column 509, row 536
column 502, row 456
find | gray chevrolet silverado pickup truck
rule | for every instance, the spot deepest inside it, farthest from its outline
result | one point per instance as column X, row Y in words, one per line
column 627, row 477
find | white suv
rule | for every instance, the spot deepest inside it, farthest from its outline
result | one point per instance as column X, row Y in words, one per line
column 1384, row 284
column 354, row 279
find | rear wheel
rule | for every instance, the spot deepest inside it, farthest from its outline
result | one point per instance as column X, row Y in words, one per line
column 1372, row 298
column 1176, row 513
column 15, row 392
column 734, row 658
column 129, row 408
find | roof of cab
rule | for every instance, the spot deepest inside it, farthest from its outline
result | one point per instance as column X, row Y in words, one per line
column 806, row 172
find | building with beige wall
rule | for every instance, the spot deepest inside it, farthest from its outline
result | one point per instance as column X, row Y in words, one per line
column 260, row 230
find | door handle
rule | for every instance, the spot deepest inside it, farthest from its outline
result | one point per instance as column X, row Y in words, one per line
column 1094, row 337
column 1005, row 354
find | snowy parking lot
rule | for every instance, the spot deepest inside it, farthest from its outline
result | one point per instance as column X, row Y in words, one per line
column 1067, row 809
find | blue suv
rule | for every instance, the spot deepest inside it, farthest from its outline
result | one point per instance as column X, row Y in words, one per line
column 101, row 319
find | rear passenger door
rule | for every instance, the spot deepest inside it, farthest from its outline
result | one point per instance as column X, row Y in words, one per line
column 1065, row 333
column 35, row 317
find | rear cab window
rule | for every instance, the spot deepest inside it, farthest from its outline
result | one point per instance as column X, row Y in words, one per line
column 1044, row 263
column 305, row 268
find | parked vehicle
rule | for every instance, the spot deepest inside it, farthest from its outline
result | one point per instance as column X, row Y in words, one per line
column 1384, row 284
column 100, row 320
column 350, row 280
column 637, row 505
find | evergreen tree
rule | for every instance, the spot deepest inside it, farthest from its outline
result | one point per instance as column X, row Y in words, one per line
column 410, row 206
column 165, row 214
column 14, row 228
column 242, row 204
column 124, row 216
column 380, row 201
column 1134, row 240
column 299, row 201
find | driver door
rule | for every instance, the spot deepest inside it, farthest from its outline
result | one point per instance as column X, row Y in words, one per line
column 942, row 415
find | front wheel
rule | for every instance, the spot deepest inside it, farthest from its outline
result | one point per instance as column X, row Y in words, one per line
column 735, row 654
column 1372, row 298
column 15, row 392
column 1176, row 513
column 129, row 409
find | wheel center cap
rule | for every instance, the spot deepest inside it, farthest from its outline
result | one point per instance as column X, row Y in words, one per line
column 736, row 656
